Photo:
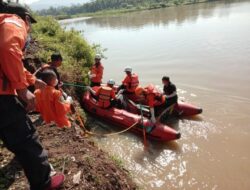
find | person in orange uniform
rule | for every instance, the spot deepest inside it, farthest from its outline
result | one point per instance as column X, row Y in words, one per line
column 16, row 129
column 56, row 61
column 105, row 95
column 96, row 72
column 130, row 82
column 50, row 102
column 152, row 96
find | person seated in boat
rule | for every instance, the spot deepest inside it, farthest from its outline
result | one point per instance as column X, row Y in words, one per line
column 130, row 82
column 169, row 90
column 152, row 97
column 105, row 95
column 50, row 102
column 96, row 72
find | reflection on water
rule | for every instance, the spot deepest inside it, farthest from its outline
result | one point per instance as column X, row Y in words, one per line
column 205, row 48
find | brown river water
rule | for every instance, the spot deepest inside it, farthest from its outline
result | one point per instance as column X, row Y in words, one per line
column 205, row 49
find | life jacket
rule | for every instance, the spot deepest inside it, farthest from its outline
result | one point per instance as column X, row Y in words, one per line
column 98, row 71
column 104, row 96
column 158, row 96
column 133, row 83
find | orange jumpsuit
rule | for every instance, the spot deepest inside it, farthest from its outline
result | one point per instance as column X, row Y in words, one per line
column 131, row 82
column 49, row 102
column 13, row 75
column 98, row 71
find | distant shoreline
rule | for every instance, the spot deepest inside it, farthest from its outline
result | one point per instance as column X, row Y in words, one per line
column 122, row 11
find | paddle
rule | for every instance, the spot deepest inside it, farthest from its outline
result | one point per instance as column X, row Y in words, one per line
column 144, row 130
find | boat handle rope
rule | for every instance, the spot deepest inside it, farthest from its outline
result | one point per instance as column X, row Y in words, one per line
column 79, row 119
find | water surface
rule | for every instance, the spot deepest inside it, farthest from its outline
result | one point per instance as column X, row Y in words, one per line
column 205, row 49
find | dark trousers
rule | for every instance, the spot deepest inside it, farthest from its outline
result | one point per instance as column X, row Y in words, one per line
column 18, row 135
column 171, row 101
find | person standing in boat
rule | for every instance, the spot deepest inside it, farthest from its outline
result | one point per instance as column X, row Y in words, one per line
column 169, row 90
column 105, row 95
column 130, row 82
column 96, row 72
column 152, row 97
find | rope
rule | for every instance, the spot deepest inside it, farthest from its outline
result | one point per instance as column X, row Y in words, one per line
column 171, row 108
column 79, row 119
column 75, row 85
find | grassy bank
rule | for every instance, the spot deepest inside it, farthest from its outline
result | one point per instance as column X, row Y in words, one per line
column 77, row 54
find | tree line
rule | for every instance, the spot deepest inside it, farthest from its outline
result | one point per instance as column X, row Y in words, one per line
column 101, row 5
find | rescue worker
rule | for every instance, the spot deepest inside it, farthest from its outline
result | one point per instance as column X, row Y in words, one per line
column 96, row 72
column 152, row 98
column 105, row 95
column 16, row 129
column 56, row 61
column 130, row 82
column 50, row 102
column 170, row 91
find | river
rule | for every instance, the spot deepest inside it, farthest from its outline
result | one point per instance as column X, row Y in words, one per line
column 205, row 49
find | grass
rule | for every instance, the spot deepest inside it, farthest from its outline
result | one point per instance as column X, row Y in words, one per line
column 77, row 54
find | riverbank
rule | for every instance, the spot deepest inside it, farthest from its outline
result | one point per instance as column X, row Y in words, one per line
column 69, row 151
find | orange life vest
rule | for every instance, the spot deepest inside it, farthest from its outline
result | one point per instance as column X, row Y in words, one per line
column 131, row 82
column 105, row 95
column 98, row 71
column 158, row 98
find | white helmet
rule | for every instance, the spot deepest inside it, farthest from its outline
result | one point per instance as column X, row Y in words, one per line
column 128, row 69
column 98, row 56
column 111, row 82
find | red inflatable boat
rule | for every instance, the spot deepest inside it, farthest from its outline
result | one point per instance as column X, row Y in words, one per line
column 125, row 119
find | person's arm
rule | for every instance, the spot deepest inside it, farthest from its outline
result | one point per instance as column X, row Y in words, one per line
column 173, row 90
column 33, row 81
column 61, row 106
column 95, row 93
column 125, row 80
column 99, row 73
column 113, row 95
column 152, row 111
column 171, row 95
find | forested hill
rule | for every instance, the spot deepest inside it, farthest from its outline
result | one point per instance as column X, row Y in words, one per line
column 104, row 5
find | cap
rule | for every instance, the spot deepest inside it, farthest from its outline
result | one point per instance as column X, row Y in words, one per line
column 111, row 82
column 16, row 8
column 128, row 69
column 98, row 56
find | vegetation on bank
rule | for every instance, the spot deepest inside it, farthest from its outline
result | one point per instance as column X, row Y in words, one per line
column 77, row 54
column 99, row 7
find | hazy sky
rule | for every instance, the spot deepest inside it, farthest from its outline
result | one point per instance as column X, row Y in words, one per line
column 28, row 1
